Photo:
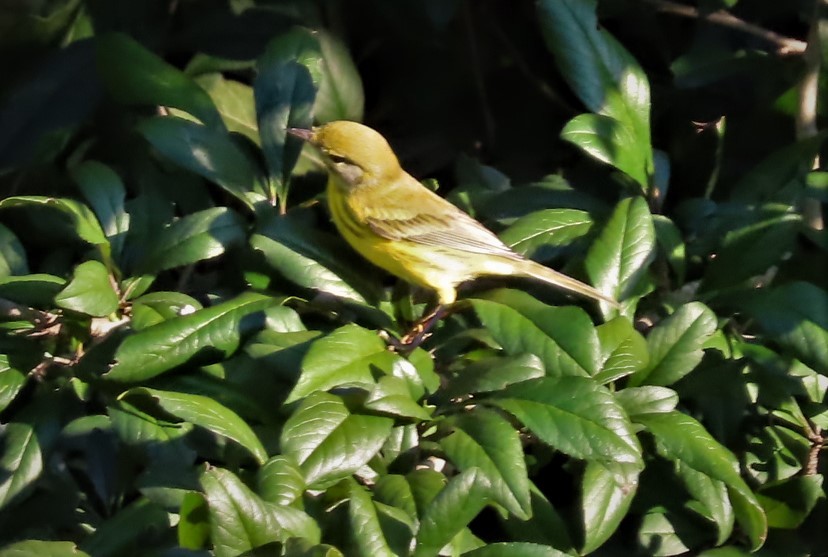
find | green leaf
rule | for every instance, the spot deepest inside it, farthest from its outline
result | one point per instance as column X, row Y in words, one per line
column 392, row 397
column 311, row 258
column 234, row 101
column 211, row 154
column 320, row 436
column 682, row 439
column 105, row 193
column 751, row 250
column 21, row 460
column 604, row 504
column 39, row 548
column 484, row 440
column 789, row 502
column 670, row 242
column 196, row 237
column 546, row 526
column 193, row 527
column 494, row 374
column 621, row 253
column 713, row 498
column 340, row 95
column 32, row 290
column 216, row 331
column 209, row 414
column 647, row 400
column 135, row 76
column 83, row 219
column 155, row 307
column 161, row 442
column 676, row 345
column 796, row 316
column 90, row 291
column 451, row 510
column 364, row 523
column 240, row 521
column 285, row 89
column 280, row 480
column 623, row 350
column 12, row 381
column 569, row 327
column 12, row 254
column 602, row 74
column 515, row 549
column 519, row 335
column 543, row 234
column 347, row 356
column 609, row 141
column 578, row 417
column 127, row 529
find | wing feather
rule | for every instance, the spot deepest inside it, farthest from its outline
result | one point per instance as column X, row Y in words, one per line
column 421, row 216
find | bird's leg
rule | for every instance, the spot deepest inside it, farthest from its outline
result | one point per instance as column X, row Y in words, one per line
column 420, row 331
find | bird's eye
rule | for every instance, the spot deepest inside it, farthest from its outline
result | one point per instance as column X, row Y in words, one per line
column 336, row 159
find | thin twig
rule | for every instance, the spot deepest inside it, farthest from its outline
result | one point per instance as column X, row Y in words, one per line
column 786, row 45
column 806, row 115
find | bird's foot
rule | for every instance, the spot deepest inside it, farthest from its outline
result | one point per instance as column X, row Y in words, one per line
column 418, row 333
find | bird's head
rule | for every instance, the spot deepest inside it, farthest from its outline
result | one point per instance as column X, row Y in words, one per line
column 356, row 153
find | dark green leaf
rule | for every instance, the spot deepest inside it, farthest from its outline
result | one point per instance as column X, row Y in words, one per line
column 484, row 440
column 391, row 396
column 340, row 95
column 542, row 234
column 604, row 76
column 131, row 526
column 451, row 510
column 312, row 259
column 365, row 525
column 11, row 382
column 621, row 253
column 609, row 141
column 40, row 548
column 671, row 244
column 676, row 345
column 604, row 504
column 85, row 224
column 494, row 374
column 796, row 316
column 209, row 414
column 234, row 101
column 12, row 255
column 789, row 502
column 285, row 90
column 519, row 335
column 193, row 527
column 31, row 290
column 280, row 480
column 623, row 350
column 682, row 439
column 135, row 76
column 347, row 356
column 21, row 460
column 712, row 497
column 194, row 238
column 647, row 400
column 90, row 291
column 320, row 434
column 578, row 417
column 217, row 331
column 515, row 549
column 240, row 521
column 105, row 193
column 209, row 153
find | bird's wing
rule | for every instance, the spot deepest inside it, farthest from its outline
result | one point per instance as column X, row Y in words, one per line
column 408, row 211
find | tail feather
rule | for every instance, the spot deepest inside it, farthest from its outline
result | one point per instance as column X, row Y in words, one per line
column 550, row 276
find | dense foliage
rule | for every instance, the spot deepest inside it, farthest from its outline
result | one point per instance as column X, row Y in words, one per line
column 192, row 362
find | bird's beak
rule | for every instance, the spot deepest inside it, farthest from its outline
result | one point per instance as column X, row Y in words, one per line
column 301, row 133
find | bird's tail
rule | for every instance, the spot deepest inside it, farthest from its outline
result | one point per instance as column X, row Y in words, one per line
column 550, row 276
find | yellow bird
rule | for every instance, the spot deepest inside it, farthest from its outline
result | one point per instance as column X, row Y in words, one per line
column 399, row 225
